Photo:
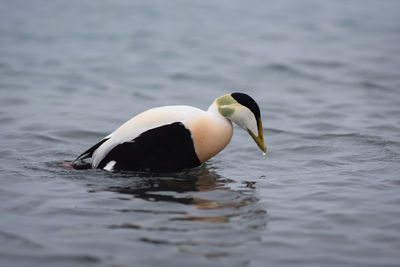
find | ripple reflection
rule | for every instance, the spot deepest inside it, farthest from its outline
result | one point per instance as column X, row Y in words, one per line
column 209, row 193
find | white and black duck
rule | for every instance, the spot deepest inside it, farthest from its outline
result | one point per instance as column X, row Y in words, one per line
column 171, row 138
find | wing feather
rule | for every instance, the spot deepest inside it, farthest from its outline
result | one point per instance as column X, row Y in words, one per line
column 139, row 124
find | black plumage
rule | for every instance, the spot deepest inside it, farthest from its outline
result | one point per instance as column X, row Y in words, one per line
column 165, row 148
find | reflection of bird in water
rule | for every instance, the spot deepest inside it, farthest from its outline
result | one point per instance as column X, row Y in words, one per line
column 153, row 188
column 171, row 138
column 185, row 188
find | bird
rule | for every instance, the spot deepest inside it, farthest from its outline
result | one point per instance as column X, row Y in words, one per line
column 173, row 138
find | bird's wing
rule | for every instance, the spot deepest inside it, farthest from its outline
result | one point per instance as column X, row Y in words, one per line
column 165, row 148
column 139, row 124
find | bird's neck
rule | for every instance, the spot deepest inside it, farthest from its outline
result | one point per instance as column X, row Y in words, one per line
column 211, row 133
column 213, row 112
column 213, row 109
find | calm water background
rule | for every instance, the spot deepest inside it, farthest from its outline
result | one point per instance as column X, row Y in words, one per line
column 325, row 74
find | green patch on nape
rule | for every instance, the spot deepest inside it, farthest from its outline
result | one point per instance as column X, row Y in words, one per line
column 226, row 111
column 224, row 104
column 225, row 100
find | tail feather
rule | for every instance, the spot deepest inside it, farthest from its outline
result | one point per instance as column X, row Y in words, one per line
column 79, row 162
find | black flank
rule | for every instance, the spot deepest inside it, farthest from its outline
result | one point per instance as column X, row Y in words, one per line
column 165, row 148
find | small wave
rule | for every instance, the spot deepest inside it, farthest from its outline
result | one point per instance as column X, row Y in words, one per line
column 370, row 139
column 147, row 228
column 370, row 85
column 9, row 239
column 279, row 67
column 322, row 64
column 73, row 133
column 279, row 131
column 190, row 243
column 322, row 126
column 17, row 259
column 182, row 76
column 43, row 137
column 329, row 115
column 152, row 211
column 326, row 163
column 286, row 69
column 34, row 127
column 4, row 66
column 7, row 120
column 310, row 149
column 143, row 96
column 11, row 101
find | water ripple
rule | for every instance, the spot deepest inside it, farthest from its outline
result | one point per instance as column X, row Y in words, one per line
column 324, row 73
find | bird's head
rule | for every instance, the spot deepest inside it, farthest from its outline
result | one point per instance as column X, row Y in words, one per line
column 244, row 111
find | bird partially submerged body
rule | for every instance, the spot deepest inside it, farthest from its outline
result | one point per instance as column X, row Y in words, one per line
column 171, row 138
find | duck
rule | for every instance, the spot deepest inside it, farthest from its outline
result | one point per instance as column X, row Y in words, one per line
column 173, row 138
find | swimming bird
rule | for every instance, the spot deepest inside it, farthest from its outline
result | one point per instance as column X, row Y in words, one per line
column 172, row 138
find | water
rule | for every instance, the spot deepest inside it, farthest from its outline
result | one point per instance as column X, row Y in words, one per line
column 325, row 74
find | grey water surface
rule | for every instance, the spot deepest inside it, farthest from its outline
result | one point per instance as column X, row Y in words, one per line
column 326, row 75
